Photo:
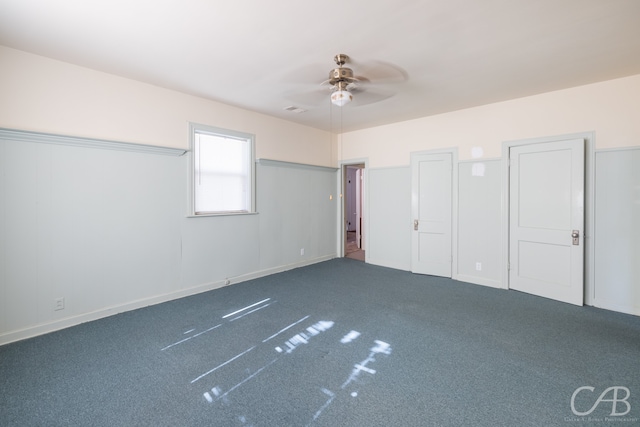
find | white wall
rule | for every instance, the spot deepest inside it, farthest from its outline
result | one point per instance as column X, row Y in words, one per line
column 44, row 95
column 608, row 109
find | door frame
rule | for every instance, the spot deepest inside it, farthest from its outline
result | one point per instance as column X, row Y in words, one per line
column 342, row 190
column 589, row 188
column 454, row 203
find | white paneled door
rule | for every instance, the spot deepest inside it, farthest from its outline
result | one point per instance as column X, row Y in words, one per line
column 546, row 219
column 431, row 194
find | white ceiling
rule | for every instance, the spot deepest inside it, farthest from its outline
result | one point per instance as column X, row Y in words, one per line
column 267, row 55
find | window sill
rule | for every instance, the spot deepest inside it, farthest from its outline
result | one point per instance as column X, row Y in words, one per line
column 221, row 214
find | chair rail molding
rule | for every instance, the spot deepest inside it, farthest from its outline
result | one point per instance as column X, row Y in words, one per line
column 46, row 138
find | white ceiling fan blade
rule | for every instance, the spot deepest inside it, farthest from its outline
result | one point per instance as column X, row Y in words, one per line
column 379, row 72
column 310, row 98
column 369, row 97
column 370, row 74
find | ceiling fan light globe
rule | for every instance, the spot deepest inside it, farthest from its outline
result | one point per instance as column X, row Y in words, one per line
column 341, row 97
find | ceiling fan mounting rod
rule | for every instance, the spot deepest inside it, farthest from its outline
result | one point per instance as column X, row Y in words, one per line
column 341, row 59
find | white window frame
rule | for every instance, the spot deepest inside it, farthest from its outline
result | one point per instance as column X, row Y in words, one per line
column 194, row 129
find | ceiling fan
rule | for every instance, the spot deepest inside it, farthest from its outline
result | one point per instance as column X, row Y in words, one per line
column 344, row 86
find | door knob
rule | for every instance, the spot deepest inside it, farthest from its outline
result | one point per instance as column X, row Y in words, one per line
column 575, row 235
column 415, row 224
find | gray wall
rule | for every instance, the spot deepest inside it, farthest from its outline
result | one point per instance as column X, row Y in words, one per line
column 479, row 225
column 297, row 211
column 479, row 222
column 106, row 229
column 617, row 230
column 388, row 191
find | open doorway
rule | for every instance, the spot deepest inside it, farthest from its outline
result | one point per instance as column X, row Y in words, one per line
column 353, row 208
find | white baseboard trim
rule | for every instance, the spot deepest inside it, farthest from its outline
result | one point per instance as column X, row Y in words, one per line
column 492, row 283
column 608, row 305
column 56, row 325
column 383, row 263
column 280, row 269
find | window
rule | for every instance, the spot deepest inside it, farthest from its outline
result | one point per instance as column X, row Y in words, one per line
column 223, row 168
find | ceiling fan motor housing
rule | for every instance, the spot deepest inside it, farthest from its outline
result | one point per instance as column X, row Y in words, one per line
column 341, row 75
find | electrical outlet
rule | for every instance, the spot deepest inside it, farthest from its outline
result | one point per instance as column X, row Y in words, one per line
column 302, row 251
column 478, row 266
column 58, row 304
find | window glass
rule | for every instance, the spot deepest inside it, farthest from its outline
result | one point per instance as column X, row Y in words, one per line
column 222, row 171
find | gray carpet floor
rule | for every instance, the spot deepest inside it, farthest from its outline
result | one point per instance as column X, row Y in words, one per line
column 339, row 343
